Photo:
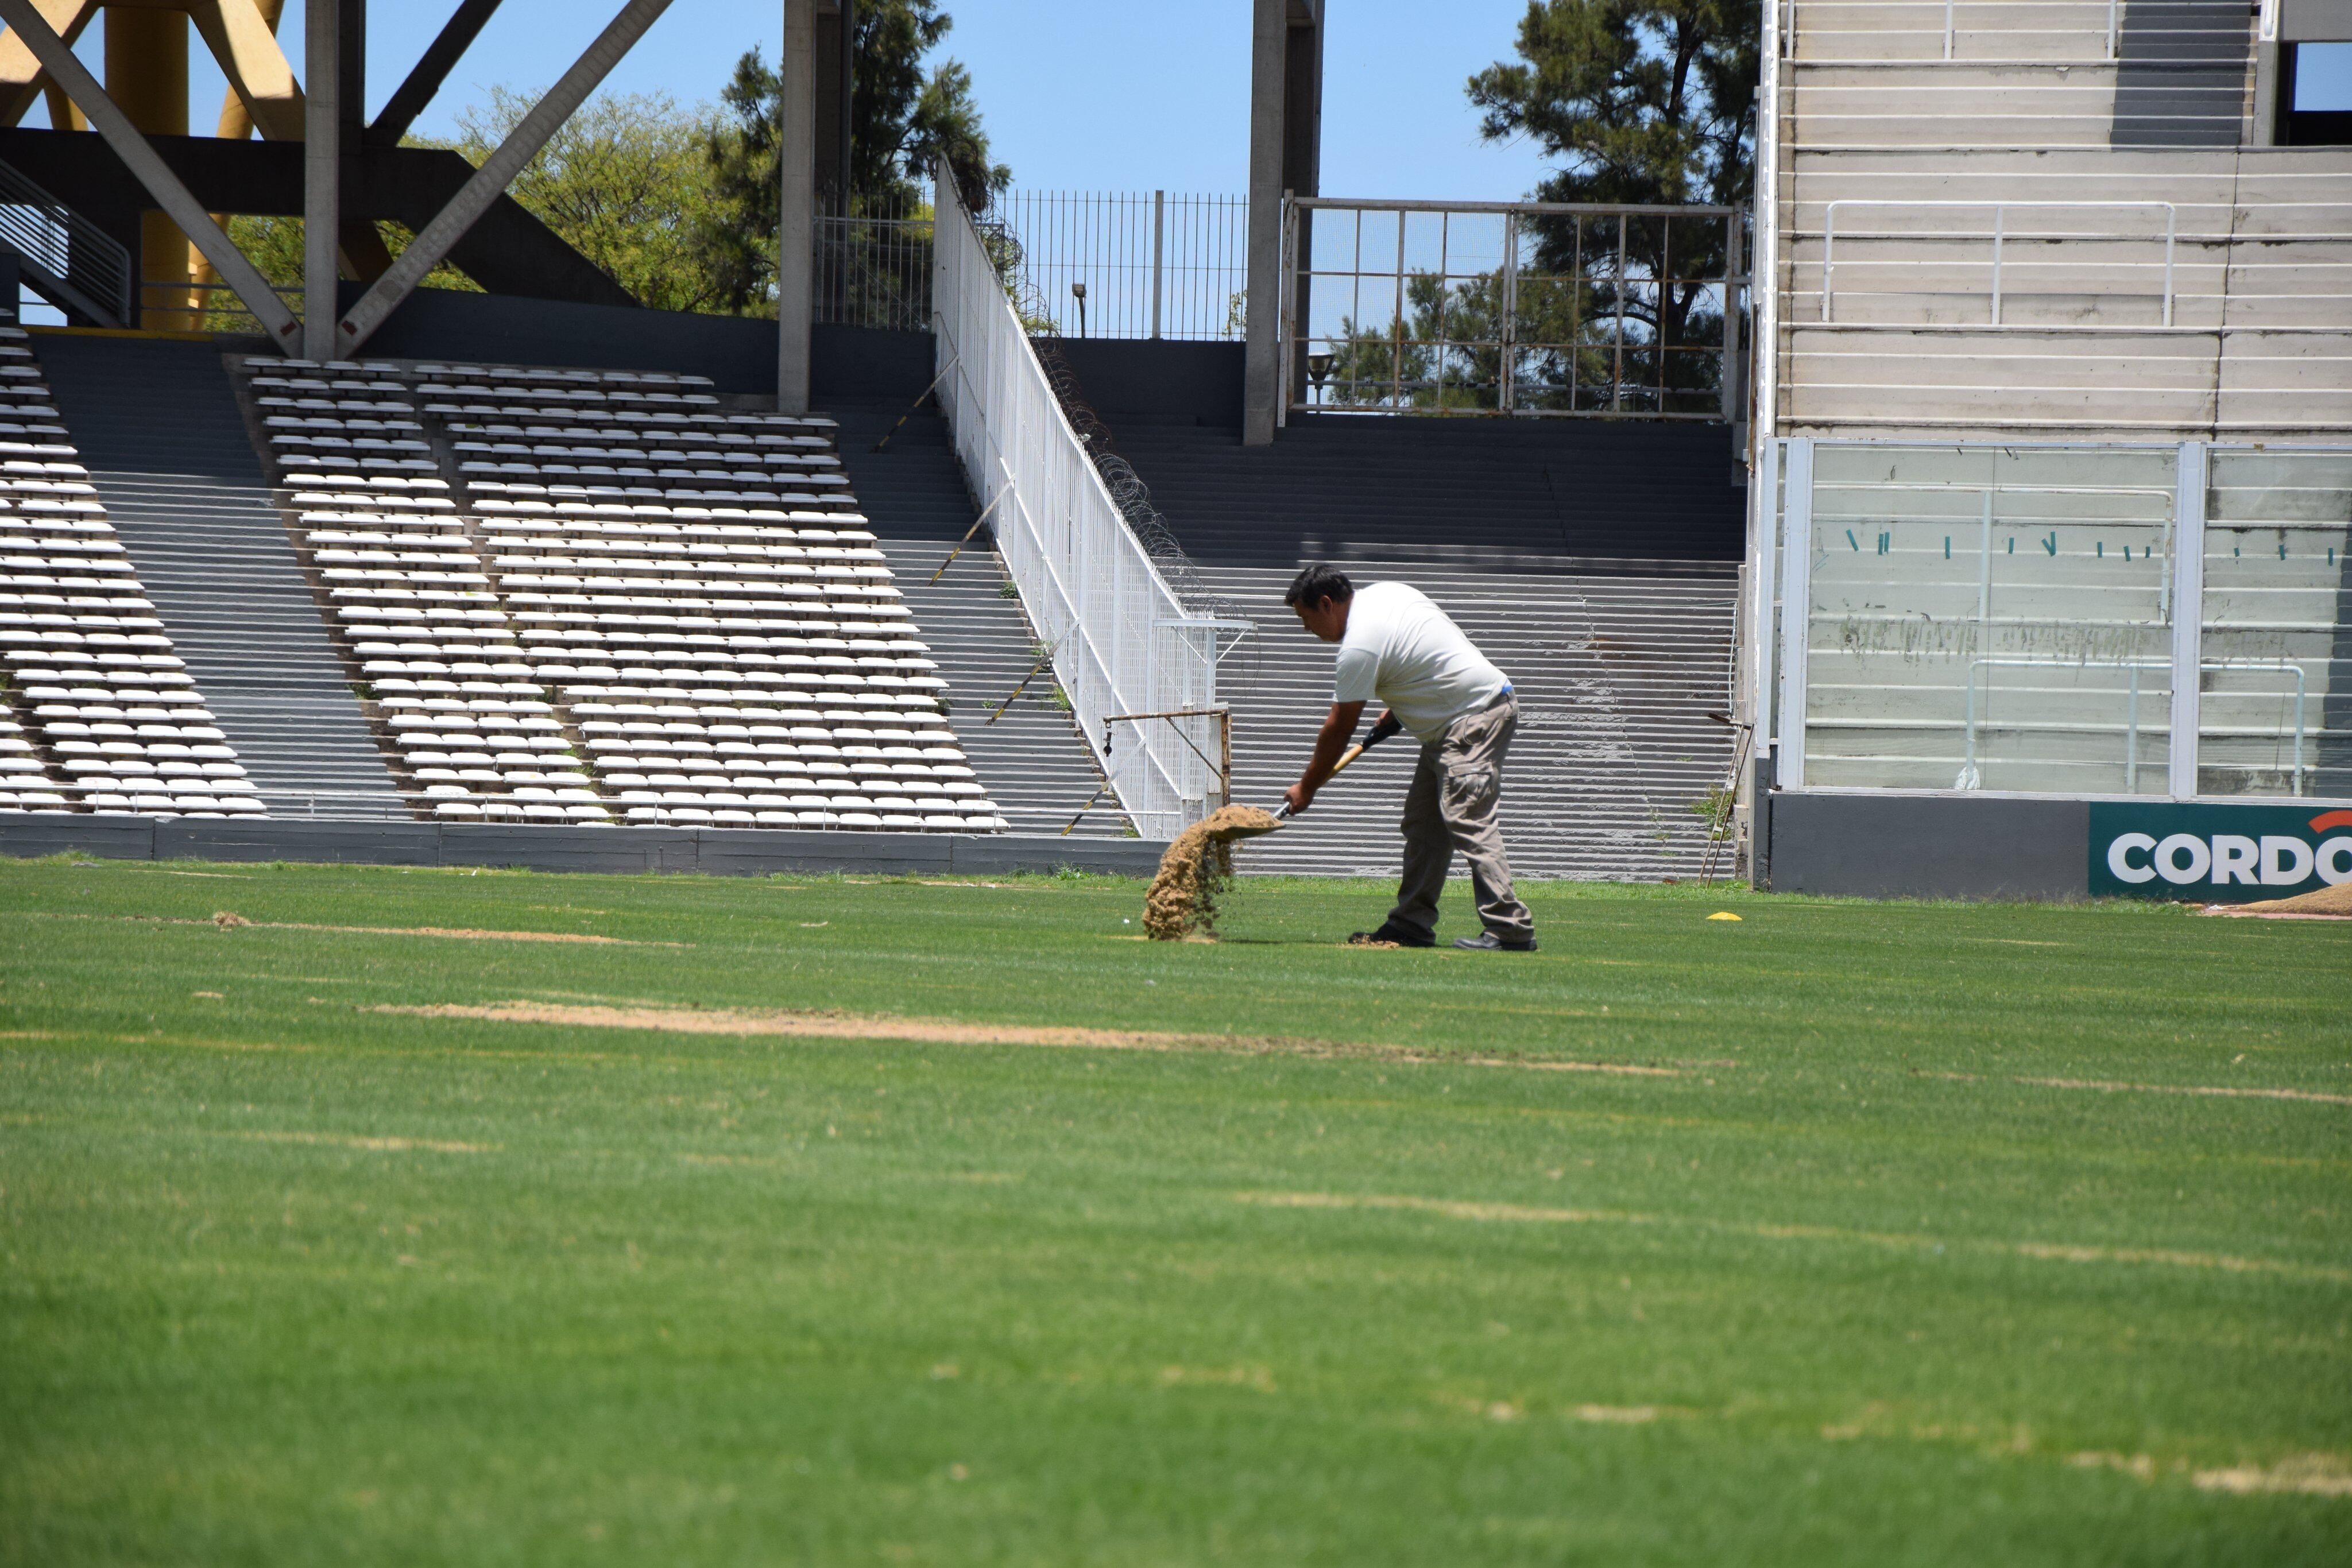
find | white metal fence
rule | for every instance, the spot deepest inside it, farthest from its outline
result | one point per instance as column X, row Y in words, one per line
column 1121, row 644
column 1530, row 309
column 1129, row 263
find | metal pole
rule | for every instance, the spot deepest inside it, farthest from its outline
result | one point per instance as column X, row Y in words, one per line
column 2188, row 615
column 322, row 136
column 1158, row 236
column 1796, row 613
column 2131, row 737
column 2171, row 222
column 1998, row 213
column 1617, row 369
column 1505, row 373
column 1729, row 375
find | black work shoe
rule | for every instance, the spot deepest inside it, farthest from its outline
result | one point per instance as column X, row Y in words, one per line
column 1392, row 934
column 1488, row 942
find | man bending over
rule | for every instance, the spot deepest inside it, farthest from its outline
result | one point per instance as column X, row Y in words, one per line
column 1394, row 644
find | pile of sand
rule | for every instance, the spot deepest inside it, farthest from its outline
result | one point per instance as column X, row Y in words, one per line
column 2336, row 900
column 1183, row 896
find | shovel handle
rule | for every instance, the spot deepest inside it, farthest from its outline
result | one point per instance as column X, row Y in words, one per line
column 1346, row 756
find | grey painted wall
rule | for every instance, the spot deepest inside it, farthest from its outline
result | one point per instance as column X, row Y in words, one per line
column 1879, row 846
column 716, row 851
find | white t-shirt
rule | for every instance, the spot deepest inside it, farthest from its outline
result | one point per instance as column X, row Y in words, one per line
column 1405, row 651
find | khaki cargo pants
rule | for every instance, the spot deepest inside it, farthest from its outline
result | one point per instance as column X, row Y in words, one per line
column 1452, row 806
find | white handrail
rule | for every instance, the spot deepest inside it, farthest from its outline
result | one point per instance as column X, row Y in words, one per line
column 2000, row 210
column 1120, row 640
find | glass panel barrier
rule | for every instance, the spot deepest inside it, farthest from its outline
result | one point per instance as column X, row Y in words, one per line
column 2275, row 717
column 1994, row 618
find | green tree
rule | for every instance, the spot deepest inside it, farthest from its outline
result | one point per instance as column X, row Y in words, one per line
column 1638, row 102
column 902, row 117
column 625, row 184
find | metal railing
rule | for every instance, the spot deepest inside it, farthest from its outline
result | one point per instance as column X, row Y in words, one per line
column 1971, row 777
column 2000, row 236
column 2111, row 35
column 873, row 266
column 1128, row 264
column 1118, row 640
column 77, row 262
column 1530, row 309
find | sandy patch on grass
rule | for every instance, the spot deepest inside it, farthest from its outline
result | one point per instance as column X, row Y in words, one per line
column 815, row 1025
column 2313, row 1475
column 1450, row 1208
column 2041, row 1251
column 2231, row 1094
column 2325, row 902
column 374, row 1145
column 229, row 920
column 1255, row 1378
column 2310, row 1475
column 2104, row 1087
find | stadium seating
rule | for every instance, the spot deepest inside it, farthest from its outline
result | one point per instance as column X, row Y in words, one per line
column 592, row 596
column 100, row 714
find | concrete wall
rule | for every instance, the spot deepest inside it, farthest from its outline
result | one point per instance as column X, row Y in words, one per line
column 1889, row 846
column 1130, row 380
column 1140, row 380
column 737, row 352
column 715, row 852
column 2237, row 850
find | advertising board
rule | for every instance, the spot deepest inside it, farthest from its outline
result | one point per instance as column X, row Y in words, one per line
column 2217, row 853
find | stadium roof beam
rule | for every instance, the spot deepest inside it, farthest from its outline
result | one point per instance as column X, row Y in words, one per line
column 245, row 47
column 57, row 59
column 433, row 67
column 491, row 182
column 1285, row 158
column 22, row 76
column 321, row 174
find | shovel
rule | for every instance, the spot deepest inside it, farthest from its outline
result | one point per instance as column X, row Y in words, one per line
column 1380, row 731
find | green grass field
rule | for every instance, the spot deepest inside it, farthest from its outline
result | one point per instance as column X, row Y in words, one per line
column 1925, row 1234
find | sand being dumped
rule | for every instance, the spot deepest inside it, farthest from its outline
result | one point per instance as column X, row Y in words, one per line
column 1184, row 896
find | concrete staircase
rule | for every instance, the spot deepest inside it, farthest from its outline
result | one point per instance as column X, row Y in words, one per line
column 1595, row 563
column 159, row 427
column 1031, row 760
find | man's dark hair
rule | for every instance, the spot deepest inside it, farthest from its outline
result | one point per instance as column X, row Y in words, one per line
column 1318, row 583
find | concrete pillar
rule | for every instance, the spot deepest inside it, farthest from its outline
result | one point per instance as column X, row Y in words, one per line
column 797, row 229
column 321, row 174
column 365, row 256
column 1285, row 151
column 147, row 77
column 835, row 23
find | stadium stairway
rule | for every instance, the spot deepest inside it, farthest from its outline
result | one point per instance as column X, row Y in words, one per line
column 1035, row 767
column 167, row 447
column 1596, row 563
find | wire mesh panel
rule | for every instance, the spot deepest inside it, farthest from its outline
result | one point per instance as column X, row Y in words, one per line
column 1121, row 642
column 873, row 265
column 1994, row 618
column 1528, row 308
column 2275, row 717
column 1128, row 264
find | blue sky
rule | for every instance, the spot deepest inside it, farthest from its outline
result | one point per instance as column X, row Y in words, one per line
column 1079, row 94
